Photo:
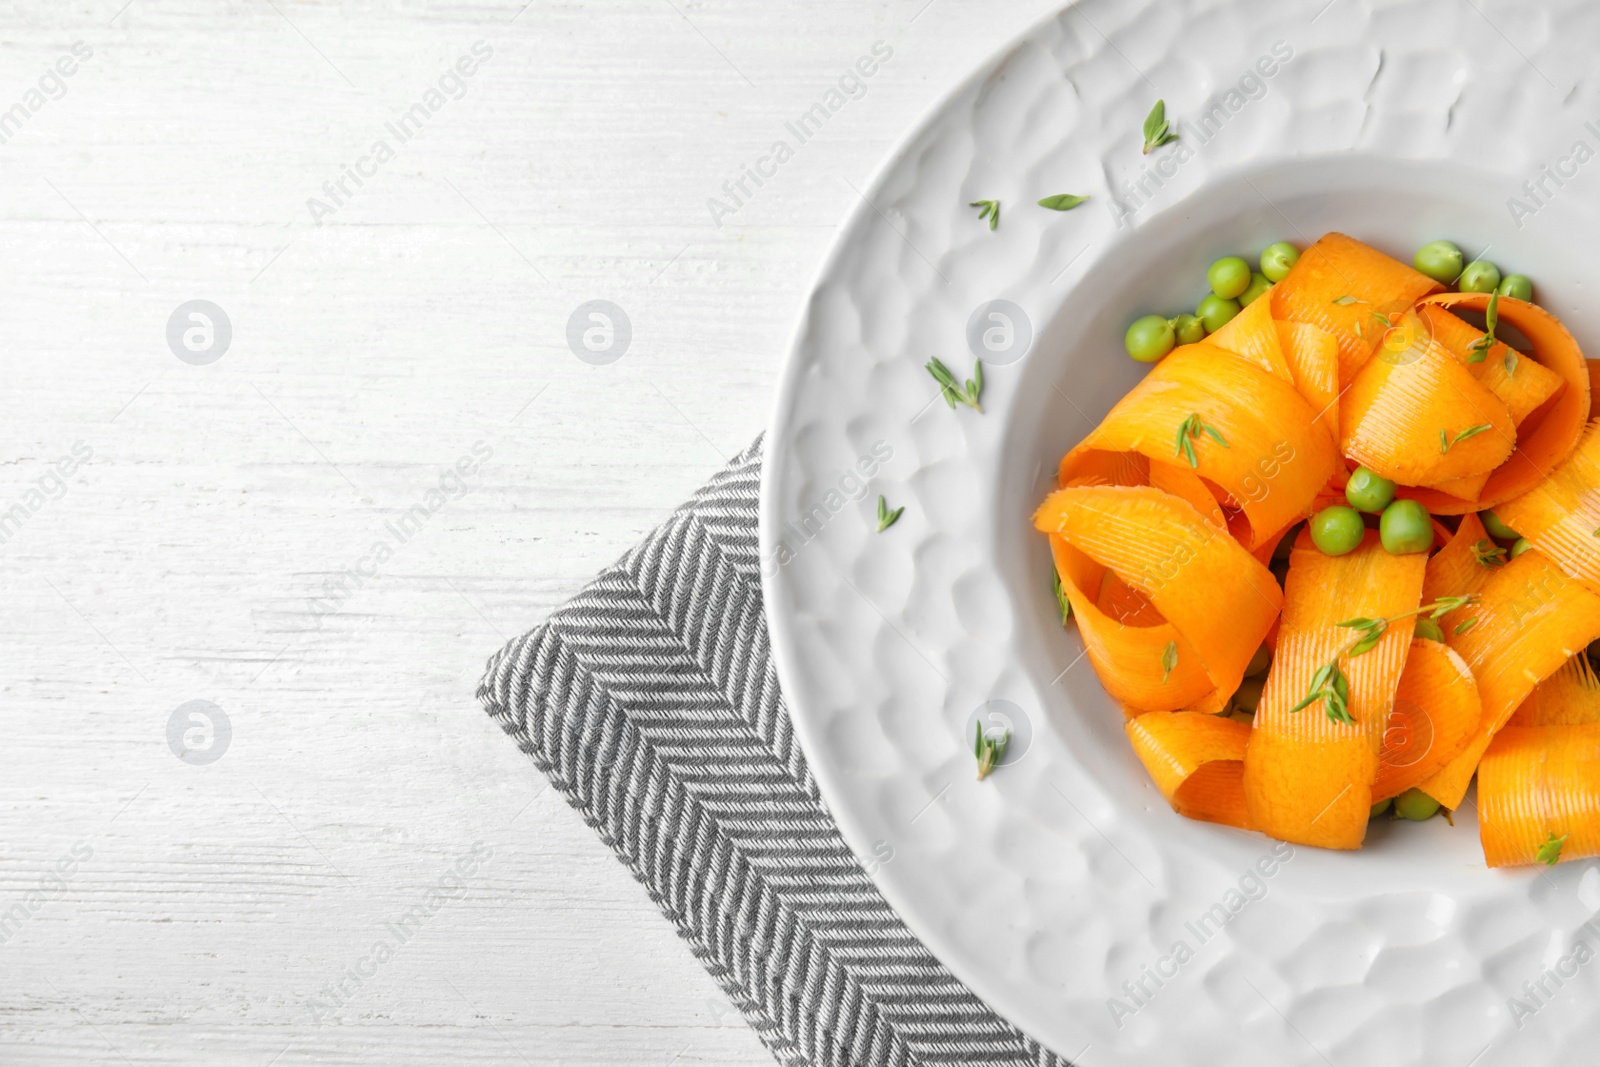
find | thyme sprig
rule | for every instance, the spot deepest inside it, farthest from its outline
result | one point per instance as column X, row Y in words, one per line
column 1331, row 686
column 953, row 390
column 989, row 750
column 1489, row 554
column 1189, row 430
column 886, row 516
column 988, row 209
column 1157, row 130
column 1470, row 432
column 1491, row 319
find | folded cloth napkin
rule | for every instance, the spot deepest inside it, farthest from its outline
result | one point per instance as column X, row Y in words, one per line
column 651, row 702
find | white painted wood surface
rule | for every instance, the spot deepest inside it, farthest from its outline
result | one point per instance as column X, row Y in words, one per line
column 210, row 911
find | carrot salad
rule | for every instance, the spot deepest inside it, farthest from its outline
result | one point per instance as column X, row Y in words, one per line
column 1338, row 553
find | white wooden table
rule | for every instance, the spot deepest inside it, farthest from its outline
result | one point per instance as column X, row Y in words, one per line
column 154, row 910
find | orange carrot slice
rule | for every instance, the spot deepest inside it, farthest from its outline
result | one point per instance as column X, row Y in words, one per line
column 1253, row 335
column 1594, row 381
column 1128, row 659
column 1563, row 421
column 1197, row 761
column 1307, row 778
column 1417, row 416
column 1339, row 285
column 1105, row 468
column 1185, row 483
column 1539, row 782
column 1436, row 708
column 1569, row 697
column 1530, row 619
column 1522, row 385
column 1193, row 574
column 1461, row 567
column 1272, row 457
column 1561, row 515
column 1313, row 357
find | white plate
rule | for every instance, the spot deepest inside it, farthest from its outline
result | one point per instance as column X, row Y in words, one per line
column 1065, row 875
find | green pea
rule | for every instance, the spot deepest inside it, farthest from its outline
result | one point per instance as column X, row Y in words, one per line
column 1337, row 530
column 1228, row 277
column 1259, row 662
column 1480, row 276
column 1496, row 528
column 1149, row 338
column 1415, row 805
column 1522, row 545
column 1258, row 287
column 1380, row 807
column 1216, row 311
column 1429, row 629
column 1405, row 527
column 1188, row 329
column 1439, row 260
column 1516, row 286
column 1278, row 259
column 1368, row 492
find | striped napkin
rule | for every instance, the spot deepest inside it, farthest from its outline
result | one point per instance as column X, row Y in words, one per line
column 650, row 701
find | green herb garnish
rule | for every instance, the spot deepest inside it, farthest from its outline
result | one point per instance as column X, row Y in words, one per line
column 1470, row 432
column 1157, row 130
column 1169, row 660
column 886, row 518
column 1062, row 603
column 953, row 390
column 1491, row 319
column 989, row 750
column 1510, row 363
column 1189, row 430
column 988, row 209
column 1330, row 686
column 1062, row 201
column 1462, row 628
column 1489, row 554
column 1345, row 301
column 1549, row 853
column 1372, row 630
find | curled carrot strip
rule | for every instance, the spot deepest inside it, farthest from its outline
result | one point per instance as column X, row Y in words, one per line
column 1197, row 761
column 1191, row 573
column 1562, row 421
column 1539, row 783
column 1270, row 460
column 1307, row 778
column 1530, row 619
column 1436, row 708
column 1183, row 482
column 1569, row 697
column 1522, row 385
column 1340, row 285
column 1561, row 515
column 1253, row 335
column 1417, row 416
column 1313, row 358
column 1128, row 658
column 1461, row 567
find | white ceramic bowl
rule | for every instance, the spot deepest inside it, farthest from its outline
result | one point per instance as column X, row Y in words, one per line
column 1061, row 888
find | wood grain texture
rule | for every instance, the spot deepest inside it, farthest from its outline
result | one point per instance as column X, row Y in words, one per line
column 427, row 314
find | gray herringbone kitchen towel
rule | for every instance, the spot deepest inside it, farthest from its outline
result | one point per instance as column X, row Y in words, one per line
column 651, row 702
